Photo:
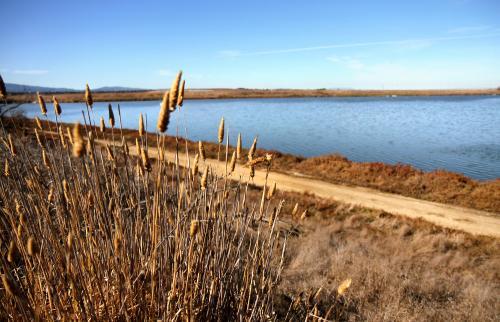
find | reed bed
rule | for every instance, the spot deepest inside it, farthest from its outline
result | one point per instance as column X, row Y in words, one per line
column 92, row 232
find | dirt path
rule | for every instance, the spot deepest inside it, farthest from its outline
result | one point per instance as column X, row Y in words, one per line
column 468, row 220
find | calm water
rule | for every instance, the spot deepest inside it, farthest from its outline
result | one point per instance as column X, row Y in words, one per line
column 460, row 134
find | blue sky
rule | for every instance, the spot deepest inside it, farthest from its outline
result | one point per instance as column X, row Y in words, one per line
column 257, row 44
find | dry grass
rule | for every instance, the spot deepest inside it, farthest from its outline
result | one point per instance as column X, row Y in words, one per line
column 92, row 233
column 103, row 235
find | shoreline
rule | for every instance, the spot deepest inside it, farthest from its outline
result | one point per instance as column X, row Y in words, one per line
column 150, row 95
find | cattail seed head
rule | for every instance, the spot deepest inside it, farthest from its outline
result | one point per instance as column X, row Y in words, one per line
column 141, row 125
column 251, row 152
column 163, row 117
column 117, row 242
column 180, row 99
column 70, row 136
column 37, row 135
column 12, row 147
column 6, row 169
column 3, row 89
column 295, row 209
column 88, row 96
column 252, row 171
column 271, row 191
column 57, row 106
column 204, row 179
column 238, row 147
column 201, row 149
column 304, row 215
column 13, row 253
column 194, row 227
column 66, row 189
column 111, row 116
column 232, row 165
column 61, row 136
column 78, row 144
column 50, row 196
column 10, row 286
column 194, row 172
column 111, row 156
column 145, row 160
column 69, row 240
column 41, row 102
column 45, row 159
column 138, row 146
column 344, row 286
column 38, row 123
column 220, row 134
column 32, row 247
column 174, row 91
column 102, row 125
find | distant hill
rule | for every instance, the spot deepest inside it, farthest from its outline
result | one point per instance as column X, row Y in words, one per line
column 19, row 88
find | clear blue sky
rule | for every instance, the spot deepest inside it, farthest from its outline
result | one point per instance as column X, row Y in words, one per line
column 258, row 44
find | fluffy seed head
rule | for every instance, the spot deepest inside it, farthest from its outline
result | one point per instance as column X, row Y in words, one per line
column 238, row 147
column 204, row 179
column 12, row 147
column 145, row 160
column 195, row 165
column 174, row 91
column 70, row 136
column 163, row 117
column 41, row 102
column 6, row 169
column 38, row 139
column 111, row 116
column 201, row 149
column 88, row 96
column 295, row 209
column 220, row 134
column 193, row 229
column 78, row 145
column 38, row 123
column 251, row 152
column 69, row 240
column 344, row 286
column 141, row 125
column 271, row 191
column 180, row 99
column 232, row 165
column 32, row 247
column 57, row 106
column 45, row 159
column 3, row 90
column 102, row 125
column 10, row 286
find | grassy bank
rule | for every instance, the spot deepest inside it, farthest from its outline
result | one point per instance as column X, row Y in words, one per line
column 225, row 93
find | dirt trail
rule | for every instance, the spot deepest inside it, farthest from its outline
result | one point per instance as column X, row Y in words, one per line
column 468, row 220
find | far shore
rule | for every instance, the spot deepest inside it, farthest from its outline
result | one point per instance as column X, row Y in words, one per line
column 225, row 93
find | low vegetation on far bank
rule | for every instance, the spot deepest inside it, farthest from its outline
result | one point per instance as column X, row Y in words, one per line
column 226, row 93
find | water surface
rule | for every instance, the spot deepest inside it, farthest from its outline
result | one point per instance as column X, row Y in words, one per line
column 459, row 134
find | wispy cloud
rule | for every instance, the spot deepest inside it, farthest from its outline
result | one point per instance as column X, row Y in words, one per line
column 404, row 42
column 347, row 61
column 165, row 72
column 30, row 71
column 469, row 29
